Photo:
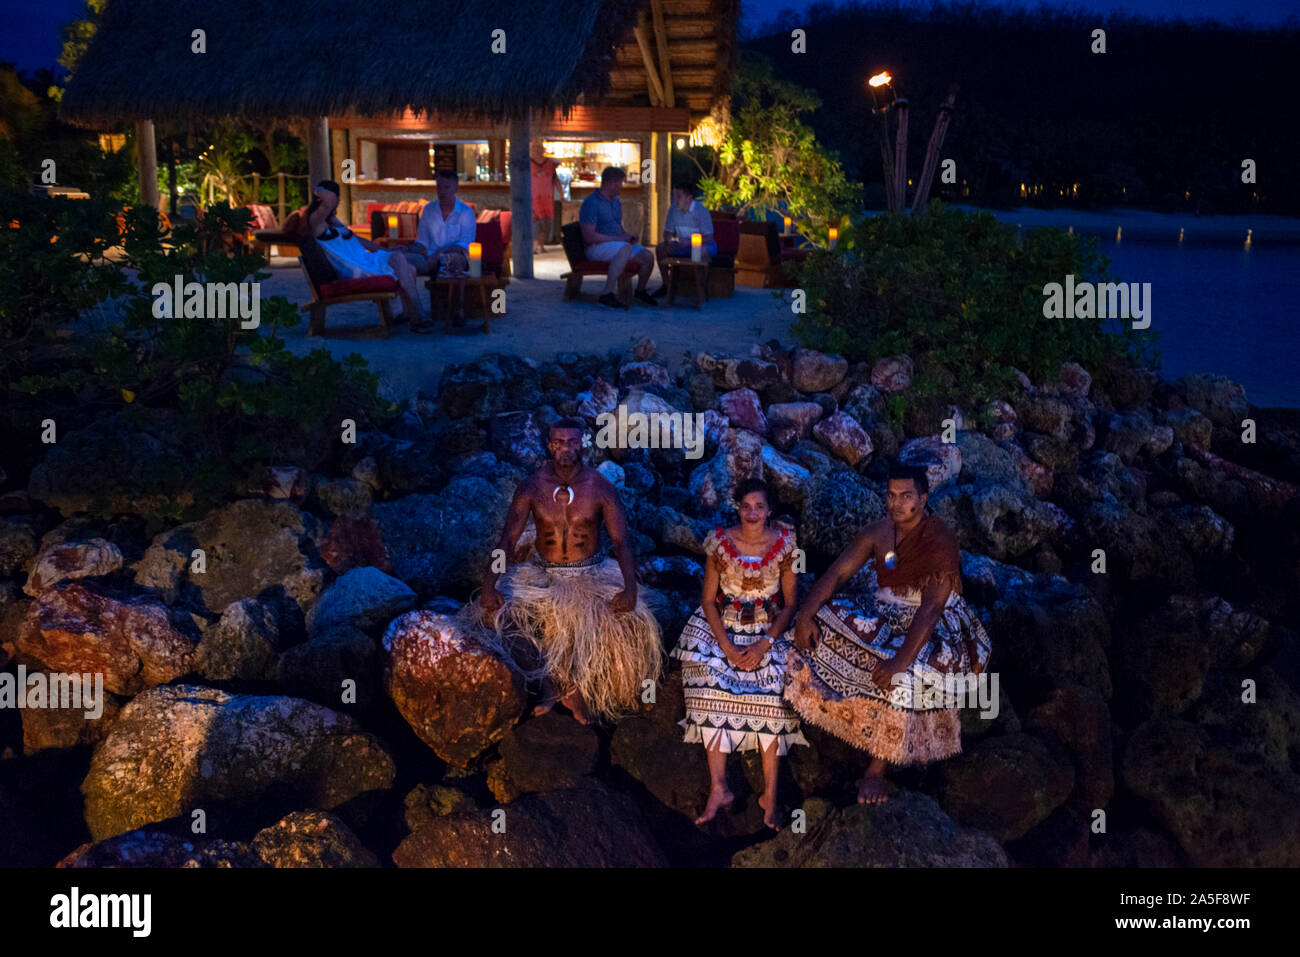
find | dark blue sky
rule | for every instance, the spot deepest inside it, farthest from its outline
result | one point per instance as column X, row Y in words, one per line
column 29, row 29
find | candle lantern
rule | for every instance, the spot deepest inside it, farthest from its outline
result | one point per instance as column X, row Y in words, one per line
column 834, row 237
column 392, row 226
column 697, row 247
column 786, row 223
column 476, row 260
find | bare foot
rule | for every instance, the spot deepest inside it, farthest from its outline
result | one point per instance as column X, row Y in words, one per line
column 717, row 799
column 872, row 789
column 769, row 812
column 573, row 701
column 544, row 706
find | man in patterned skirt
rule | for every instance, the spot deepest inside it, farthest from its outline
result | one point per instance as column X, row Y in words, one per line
column 886, row 672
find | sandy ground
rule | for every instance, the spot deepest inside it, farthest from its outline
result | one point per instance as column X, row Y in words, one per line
column 538, row 324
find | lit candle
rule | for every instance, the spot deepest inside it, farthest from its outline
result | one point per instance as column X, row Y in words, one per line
column 476, row 260
column 392, row 225
column 697, row 247
column 835, row 235
column 787, row 225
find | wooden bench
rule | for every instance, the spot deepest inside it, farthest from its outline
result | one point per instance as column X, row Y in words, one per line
column 381, row 290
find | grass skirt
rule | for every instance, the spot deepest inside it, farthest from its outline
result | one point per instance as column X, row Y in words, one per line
column 564, row 612
column 831, row 686
column 730, row 710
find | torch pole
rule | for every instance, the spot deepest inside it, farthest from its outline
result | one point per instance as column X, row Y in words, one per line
column 886, row 157
column 932, row 154
column 900, row 163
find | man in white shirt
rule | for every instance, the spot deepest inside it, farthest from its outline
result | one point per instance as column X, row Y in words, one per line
column 686, row 215
column 446, row 229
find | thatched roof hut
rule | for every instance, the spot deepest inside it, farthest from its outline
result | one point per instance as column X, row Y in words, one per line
column 280, row 58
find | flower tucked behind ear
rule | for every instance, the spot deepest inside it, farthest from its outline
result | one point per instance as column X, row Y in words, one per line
column 586, row 440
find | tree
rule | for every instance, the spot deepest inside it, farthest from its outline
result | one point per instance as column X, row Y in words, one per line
column 76, row 38
column 769, row 159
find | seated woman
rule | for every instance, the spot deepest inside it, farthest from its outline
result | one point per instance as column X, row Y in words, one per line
column 353, row 257
column 733, row 650
column 686, row 215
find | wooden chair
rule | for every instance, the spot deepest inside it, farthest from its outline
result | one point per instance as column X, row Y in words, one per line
column 762, row 258
column 381, row 290
column 580, row 267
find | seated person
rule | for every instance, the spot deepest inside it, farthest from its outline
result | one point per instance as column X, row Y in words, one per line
column 686, row 215
column 445, row 230
column 353, row 257
column 601, row 218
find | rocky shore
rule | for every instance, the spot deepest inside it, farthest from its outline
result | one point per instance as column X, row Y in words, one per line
column 285, row 670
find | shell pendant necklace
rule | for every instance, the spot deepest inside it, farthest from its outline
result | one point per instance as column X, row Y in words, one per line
column 555, row 495
column 891, row 556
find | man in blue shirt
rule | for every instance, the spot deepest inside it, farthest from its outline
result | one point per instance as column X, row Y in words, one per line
column 601, row 219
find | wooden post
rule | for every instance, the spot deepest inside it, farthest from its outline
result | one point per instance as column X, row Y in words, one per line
column 886, row 158
column 257, row 189
column 660, row 194
column 900, row 163
column 932, row 153
column 338, row 153
column 521, row 197
column 279, row 179
column 318, row 152
column 147, row 155
column 173, row 190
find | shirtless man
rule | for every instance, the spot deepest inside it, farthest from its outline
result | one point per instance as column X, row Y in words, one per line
column 901, row 628
column 597, row 642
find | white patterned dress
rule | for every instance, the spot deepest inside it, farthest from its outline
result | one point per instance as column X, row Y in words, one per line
column 728, row 709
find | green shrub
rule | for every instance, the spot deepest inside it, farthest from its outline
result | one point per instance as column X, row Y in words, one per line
column 962, row 294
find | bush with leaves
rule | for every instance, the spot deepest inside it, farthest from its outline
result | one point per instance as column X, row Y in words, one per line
column 80, row 339
column 962, row 294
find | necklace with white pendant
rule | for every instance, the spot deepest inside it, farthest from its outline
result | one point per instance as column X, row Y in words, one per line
column 555, row 495
column 891, row 556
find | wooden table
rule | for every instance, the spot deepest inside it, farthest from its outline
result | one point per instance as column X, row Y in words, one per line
column 680, row 264
column 483, row 284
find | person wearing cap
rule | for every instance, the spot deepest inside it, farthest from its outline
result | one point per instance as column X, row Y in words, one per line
column 353, row 257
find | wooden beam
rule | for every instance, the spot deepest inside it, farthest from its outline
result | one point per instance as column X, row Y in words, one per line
column 665, row 65
column 651, row 75
column 521, row 198
column 147, row 155
column 319, row 166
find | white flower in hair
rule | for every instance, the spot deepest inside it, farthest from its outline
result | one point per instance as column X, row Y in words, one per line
column 586, row 440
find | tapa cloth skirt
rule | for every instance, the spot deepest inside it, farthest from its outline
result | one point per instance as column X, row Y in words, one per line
column 831, row 686
column 731, row 710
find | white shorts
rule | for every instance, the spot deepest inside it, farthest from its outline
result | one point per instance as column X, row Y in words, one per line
column 604, row 252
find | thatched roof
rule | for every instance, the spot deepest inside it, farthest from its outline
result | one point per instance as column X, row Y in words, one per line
column 700, row 40
column 283, row 58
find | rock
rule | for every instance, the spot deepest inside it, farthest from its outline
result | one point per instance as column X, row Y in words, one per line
column 864, row 402
column 702, row 392
column 182, row 747
column 649, row 747
column 738, row 373
column 817, row 372
column 1217, row 397
column 785, row 475
column 1078, row 719
column 1061, row 840
column 1048, row 634
column 1107, row 473
column 1139, row 551
column 739, row 457
column 86, row 559
column 1052, row 415
column 1131, row 434
column 743, row 410
column 1001, row 520
column 1204, row 532
column 442, row 543
column 836, row 505
column 86, row 722
column 1162, row 662
column 643, row 373
column 19, row 543
column 612, row 471
column 1189, row 426
column 249, row 546
column 1222, row 810
column 423, row 803
column 643, row 350
column 844, row 437
column 116, row 466
column 1002, row 419
column 1074, row 380
column 790, row 422
column 81, row 626
column 984, row 462
column 671, row 528
column 291, row 482
column 549, row 753
column 490, row 384
column 403, row 466
column 1005, row 786
column 243, row 644
column 909, row 830
column 343, row 496
column 459, row 696
column 586, row 826
column 600, row 399
column 318, row 669
column 669, row 571
column 311, row 839
column 1053, row 454
column 364, row 598
column 941, row 460
column 518, row 438
column 1235, row 637
column 1128, row 386
column 355, row 540
column 893, row 374
column 366, row 471
column 154, row 849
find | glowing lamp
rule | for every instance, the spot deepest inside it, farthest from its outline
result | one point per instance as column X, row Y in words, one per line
column 697, row 247
column 786, row 223
column 834, row 237
column 476, row 260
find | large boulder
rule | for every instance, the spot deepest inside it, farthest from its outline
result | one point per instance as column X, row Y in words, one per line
column 442, row 543
column 151, row 848
column 20, row 540
column 789, row 422
column 909, row 830
column 743, row 410
column 363, row 598
column 338, row 668
column 739, row 457
column 785, row 475
column 181, row 748
column 244, row 643
column 815, row 371
column 892, row 374
column 130, row 638
column 836, row 505
column 67, row 560
column 518, row 438
column 488, row 385
column 1161, row 661
column 941, row 460
column 355, row 540
column 1004, row 521
column 87, row 721
column 311, row 839
column 459, row 695
column 248, row 547
column 549, row 753
column 730, row 372
column 1078, row 719
column 1006, row 785
column 584, row 826
column 841, row 434
column 1217, row 397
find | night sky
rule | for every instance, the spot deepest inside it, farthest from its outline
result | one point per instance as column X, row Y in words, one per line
column 29, row 29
